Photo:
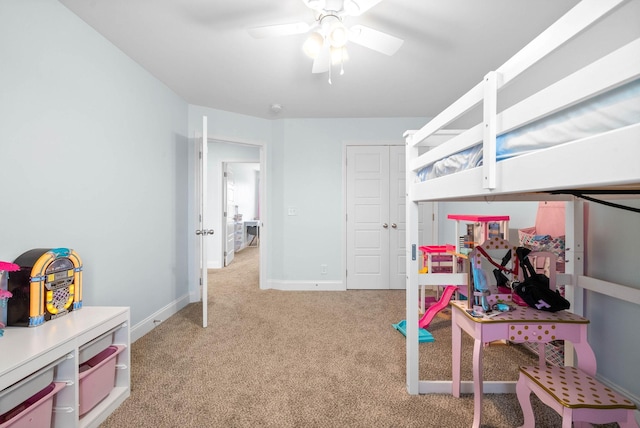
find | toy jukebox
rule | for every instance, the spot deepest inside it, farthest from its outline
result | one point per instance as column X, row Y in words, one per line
column 48, row 285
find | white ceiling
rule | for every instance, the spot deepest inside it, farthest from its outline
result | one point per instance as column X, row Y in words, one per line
column 202, row 51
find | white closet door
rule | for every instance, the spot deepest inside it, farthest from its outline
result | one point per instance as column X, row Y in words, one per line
column 368, row 217
column 397, row 220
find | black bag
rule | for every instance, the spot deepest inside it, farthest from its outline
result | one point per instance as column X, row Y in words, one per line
column 534, row 289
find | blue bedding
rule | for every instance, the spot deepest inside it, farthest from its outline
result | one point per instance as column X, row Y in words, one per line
column 614, row 109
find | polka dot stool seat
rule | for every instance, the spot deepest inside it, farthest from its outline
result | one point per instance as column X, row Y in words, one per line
column 575, row 395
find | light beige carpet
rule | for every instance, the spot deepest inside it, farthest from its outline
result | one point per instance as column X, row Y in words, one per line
column 302, row 359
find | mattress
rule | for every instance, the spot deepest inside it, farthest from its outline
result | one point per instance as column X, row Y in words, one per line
column 612, row 110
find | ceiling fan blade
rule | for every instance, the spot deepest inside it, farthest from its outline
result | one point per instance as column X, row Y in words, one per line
column 374, row 39
column 364, row 5
column 322, row 63
column 279, row 30
column 317, row 5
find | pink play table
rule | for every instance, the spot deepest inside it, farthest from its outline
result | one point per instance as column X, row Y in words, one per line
column 521, row 325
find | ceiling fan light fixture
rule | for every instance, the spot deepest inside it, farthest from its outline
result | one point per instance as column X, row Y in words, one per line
column 339, row 55
column 338, row 35
column 313, row 45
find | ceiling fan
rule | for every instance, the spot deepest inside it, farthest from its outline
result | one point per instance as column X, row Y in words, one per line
column 328, row 35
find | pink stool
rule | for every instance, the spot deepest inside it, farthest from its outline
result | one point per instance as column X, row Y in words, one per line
column 575, row 395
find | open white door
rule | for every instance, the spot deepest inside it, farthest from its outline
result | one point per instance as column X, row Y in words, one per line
column 202, row 230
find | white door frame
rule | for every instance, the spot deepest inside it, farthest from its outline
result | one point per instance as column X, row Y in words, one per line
column 227, row 254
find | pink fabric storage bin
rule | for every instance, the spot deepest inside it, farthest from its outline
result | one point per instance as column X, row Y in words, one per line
column 97, row 378
column 34, row 412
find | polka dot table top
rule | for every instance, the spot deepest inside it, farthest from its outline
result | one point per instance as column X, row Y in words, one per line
column 573, row 388
column 523, row 314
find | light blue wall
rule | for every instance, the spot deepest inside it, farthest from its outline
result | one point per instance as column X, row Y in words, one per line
column 310, row 180
column 304, row 170
column 93, row 156
column 246, row 179
column 612, row 255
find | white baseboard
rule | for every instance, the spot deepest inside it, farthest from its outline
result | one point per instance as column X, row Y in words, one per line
column 214, row 264
column 306, row 285
column 149, row 323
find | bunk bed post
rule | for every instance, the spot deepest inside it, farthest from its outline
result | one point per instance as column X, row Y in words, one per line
column 412, row 272
column 489, row 112
column 574, row 266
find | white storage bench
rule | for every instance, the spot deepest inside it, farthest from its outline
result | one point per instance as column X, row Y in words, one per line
column 43, row 378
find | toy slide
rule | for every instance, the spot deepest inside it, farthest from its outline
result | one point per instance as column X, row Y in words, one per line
column 437, row 307
column 423, row 334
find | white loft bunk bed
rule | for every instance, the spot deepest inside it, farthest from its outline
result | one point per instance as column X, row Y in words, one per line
column 607, row 161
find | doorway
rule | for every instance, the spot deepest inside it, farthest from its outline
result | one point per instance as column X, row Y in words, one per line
column 241, row 207
column 235, row 154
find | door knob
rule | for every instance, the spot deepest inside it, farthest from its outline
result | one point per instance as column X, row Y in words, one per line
column 394, row 225
column 385, row 225
column 204, row 232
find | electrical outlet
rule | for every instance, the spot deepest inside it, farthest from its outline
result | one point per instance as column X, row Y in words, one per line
column 323, row 269
column 293, row 211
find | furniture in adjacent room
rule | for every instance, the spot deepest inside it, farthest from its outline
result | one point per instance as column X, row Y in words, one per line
column 238, row 232
column 252, row 229
column 64, row 350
